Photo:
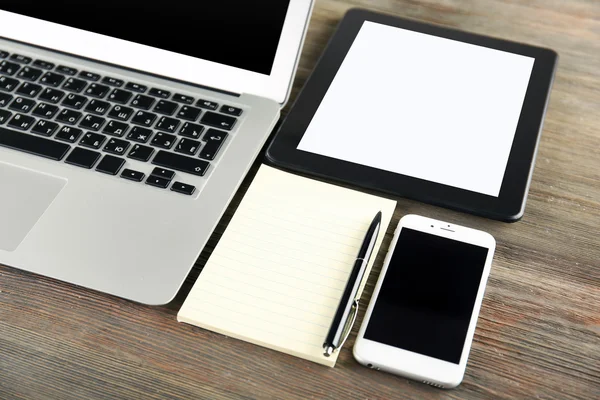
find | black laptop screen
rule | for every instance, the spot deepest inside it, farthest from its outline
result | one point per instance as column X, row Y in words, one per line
column 242, row 34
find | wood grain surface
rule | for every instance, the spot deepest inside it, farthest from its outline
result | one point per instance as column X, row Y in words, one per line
column 538, row 334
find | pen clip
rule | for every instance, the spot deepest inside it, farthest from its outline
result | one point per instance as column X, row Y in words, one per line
column 350, row 323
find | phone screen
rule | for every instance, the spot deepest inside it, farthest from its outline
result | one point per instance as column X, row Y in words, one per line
column 427, row 297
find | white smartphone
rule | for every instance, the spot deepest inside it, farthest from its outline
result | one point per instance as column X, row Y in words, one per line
column 422, row 315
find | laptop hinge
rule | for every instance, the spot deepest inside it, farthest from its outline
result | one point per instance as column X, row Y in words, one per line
column 123, row 67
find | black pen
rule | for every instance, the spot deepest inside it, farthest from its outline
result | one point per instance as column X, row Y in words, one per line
column 348, row 307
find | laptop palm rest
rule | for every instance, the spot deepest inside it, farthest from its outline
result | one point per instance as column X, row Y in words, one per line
column 24, row 197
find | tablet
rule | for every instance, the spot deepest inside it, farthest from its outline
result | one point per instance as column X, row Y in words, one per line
column 421, row 111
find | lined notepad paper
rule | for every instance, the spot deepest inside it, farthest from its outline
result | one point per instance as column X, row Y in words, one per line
column 277, row 274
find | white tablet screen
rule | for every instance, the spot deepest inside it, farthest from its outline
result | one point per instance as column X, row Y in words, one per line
column 423, row 106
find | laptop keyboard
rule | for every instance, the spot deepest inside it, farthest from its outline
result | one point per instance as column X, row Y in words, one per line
column 97, row 122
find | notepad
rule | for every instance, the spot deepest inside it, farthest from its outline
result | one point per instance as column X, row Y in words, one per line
column 276, row 277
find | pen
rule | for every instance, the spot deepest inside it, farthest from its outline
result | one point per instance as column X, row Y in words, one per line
column 348, row 307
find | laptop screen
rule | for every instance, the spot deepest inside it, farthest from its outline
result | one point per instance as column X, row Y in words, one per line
column 241, row 34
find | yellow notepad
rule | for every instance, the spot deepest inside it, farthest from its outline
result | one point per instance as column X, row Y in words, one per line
column 277, row 274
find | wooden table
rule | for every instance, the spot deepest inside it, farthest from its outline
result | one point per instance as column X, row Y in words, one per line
column 539, row 327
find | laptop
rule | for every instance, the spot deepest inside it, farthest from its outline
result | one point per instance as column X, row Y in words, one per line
column 126, row 128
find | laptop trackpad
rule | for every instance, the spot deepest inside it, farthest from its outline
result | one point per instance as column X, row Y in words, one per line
column 24, row 196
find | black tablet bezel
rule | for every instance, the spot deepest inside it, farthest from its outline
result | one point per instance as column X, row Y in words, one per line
column 510, row 203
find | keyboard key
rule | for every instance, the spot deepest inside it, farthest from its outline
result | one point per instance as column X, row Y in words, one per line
column 83, row 158
column 189, row 113
column 120, row 112
column 188, row 147
column 3, row 54
column 33, row 144
column 165, row 107
column 116, row 128
column 214, row 140
column 110, row 165
column 66, row 70
column 45, row 128
column 90, row 76
column 69, row 116
column 218, row 120
column 132, row 175
column 97, row 90
column 97, row 107
column 158, row 182
column 160, row 93
column 43, row 64
column 68, row 134
column 120, row 96
column 139, row 134
column 116, row 146
column 74, row 85
column 52, row 95
column 163, row 173
column 29, row 89
column 181, row 163
column 44, row 110
column 21, row 121
column 182, row 98
column 52, row 79
column 143, row 102
column 163, row 140
column 191, row 130
column 136, row 87
column 144, row 118
column 22, row 104
column 8, row 68
column 183, row 188
column 92, row 122
column 74, row 101
column 30, row 74
column 167, row 124
column 92, row 140
column 5, row 99
column 141, row 153
column 211, row 105
column 112, row 81
column 231, row 110
column 8, row 84
column 4, row 116
column 20, row 58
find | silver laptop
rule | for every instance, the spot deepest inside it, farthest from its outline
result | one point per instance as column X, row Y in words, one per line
column 126, row 128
